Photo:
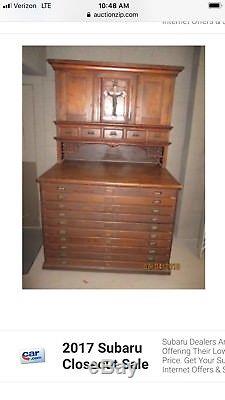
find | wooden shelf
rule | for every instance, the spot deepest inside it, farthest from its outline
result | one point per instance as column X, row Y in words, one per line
column 127, row 174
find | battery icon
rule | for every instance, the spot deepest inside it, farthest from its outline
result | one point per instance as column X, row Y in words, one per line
column 215, row 5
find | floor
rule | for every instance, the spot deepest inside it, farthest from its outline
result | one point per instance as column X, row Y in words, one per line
column 190, row 276
column 32, row 242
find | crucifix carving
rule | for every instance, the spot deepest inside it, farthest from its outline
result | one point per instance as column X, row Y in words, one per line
column 114, row 93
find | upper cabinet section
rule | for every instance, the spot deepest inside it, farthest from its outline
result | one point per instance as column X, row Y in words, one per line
column 94, row 92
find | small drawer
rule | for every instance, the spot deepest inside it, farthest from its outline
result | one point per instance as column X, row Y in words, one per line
column 137, row 136
column 113, row 134
column 67, row 131
column 90, row 133
column 157, row 136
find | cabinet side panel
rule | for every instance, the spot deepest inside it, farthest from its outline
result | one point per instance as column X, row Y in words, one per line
column 60, row 80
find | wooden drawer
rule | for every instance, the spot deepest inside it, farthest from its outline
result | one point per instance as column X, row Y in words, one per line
column 135, row 266
column 71, row 235
column 144, row 192
column 136, row 136
column 147, row 218
column 113, row 134
column 90, row 209
column 71, row 196
column 108, row 200
column 108, row 190
column 73, row 188
column 82, row 248
column 98, row 241
column 62, row 225
column 113, row 218
column 100, row 228
column 85, row 233
column 145, row 201
column 128, row 266
column 91, row 223
column 160, row 256
column 69, row 206
column 157, row 136
column 68, row 131
column 103, row 233
column 90, row 133
column 139, row 210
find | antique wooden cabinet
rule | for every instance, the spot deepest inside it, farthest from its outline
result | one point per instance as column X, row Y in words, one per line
column 109, row 203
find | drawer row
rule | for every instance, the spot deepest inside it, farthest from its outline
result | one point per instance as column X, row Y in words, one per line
column 103, row 241
column 106, row 227
column 95, row 133
column 155, row 247
column 108, row 200
column 104, row 221
column 119, row 230
column 75, row 263
column 157, row 257
column 52, row 209
column 107, row 190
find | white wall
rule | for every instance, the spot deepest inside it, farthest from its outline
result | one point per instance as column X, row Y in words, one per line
column 191, row 207
column 34, row 60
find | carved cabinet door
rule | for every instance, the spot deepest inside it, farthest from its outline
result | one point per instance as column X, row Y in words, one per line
column 154, row 99
column 116, row 97
column 74, row 93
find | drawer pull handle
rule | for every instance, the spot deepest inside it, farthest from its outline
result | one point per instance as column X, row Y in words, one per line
column 155, row 211
column 63, row 247
column 63, row 239
column 152, row 251
column 157, row 193
column 136, row 135
column 60, row 196
column 61, row 205
column 153, row 235
column 62, row 222
column 154, row 227
column 60, row 188
column 62, row 232
column 156, row 201
column 91, row 133
column 152, row 243
column 113, row 133
column 155, row 219
column 151, row 258
column 62, row 214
